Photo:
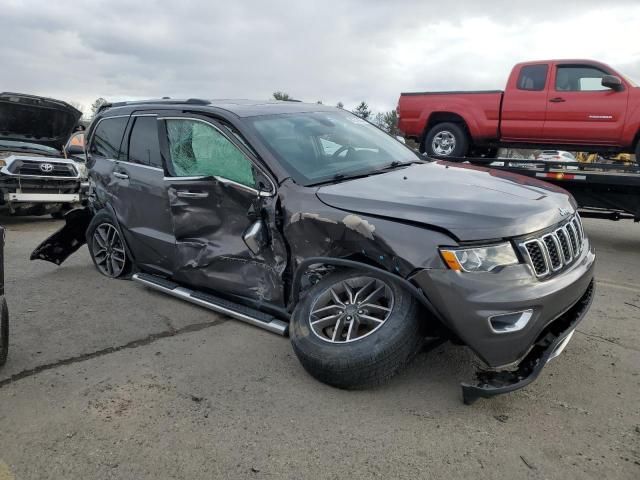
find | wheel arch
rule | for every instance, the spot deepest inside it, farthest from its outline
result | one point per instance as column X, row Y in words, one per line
column 305, row 265
column 109, row 210
column 444, row 117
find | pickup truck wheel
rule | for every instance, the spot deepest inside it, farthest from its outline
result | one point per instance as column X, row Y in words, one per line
column 4, row 331
column 106, row 247
column 354, row 329
column 446, row 140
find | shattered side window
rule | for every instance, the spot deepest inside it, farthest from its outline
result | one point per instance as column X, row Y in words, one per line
column 198, row 149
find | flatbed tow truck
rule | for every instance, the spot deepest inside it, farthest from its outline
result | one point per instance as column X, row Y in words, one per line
column 602, row 190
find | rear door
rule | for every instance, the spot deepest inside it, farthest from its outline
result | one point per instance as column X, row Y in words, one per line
column 582, row 111
column 140, row 197
column 214, row 200
column 524, row 106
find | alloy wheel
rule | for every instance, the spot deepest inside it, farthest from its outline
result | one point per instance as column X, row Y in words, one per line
column 443, row 143
column 351, row 310
column 108, row 250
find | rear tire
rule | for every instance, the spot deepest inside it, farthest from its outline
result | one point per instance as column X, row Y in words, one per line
column 446, row 140
column 107, row 247
column 387, row 332
column 4, row 331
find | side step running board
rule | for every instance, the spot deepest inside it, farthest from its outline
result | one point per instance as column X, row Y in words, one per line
column 219, row 305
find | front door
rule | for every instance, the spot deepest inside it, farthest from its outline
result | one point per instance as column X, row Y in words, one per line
column 580, row 110
column 214, row 200
column 140, row 200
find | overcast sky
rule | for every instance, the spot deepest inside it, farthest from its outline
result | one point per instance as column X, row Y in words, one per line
column 330, row 50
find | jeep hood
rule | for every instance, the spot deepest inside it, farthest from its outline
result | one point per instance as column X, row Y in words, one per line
column 32, row 119
column 471, row 203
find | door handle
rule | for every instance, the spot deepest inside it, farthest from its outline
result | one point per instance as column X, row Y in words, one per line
column 120, row 175
column 557, row 100
column 189, row 194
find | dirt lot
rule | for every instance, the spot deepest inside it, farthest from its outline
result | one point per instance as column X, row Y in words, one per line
column 107, row 379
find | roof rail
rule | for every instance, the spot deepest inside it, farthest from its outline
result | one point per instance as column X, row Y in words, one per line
column 163, row 100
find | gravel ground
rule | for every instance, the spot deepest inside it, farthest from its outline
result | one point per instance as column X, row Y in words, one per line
column 107, row 379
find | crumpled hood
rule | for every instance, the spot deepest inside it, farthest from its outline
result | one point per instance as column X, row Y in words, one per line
column 28, row 118
column 472, row 203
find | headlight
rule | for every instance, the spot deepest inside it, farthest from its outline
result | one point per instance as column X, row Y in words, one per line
column 479, row 259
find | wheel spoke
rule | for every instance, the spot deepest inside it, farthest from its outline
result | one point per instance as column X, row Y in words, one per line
column 100, row 241
column 352, row 332
column 337, row 330
column 335, row 297
column 326, row 321
column 349, row 291
column 373, row 296
column 376, row 306
column 370, row 284
column 324, row 309
column 367, row 319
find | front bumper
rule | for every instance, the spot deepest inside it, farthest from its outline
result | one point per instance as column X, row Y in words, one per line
column 549, row 345
column 42, row 197
column 469, row 301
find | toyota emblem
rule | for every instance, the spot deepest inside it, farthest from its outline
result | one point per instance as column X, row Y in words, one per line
column 46, row 167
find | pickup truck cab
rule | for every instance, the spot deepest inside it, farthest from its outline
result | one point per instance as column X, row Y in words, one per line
column 565, row 104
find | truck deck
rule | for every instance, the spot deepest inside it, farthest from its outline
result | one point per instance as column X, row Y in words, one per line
column 602, row 190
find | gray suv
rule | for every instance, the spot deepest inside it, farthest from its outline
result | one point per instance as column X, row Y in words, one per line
column 309, row 221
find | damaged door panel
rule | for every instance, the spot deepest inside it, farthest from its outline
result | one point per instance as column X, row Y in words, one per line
column 214, row 201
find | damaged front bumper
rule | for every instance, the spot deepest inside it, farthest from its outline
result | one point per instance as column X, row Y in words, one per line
column 553, row 339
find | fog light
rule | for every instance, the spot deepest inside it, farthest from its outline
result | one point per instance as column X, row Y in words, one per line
column 510, row 322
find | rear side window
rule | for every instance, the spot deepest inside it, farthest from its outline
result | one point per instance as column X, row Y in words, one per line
column 144, row 147
column 576, row 78
column 107, row 137
column 533, row 77
column 199, row 149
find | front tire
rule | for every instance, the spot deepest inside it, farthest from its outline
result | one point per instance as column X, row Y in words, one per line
column 4, row 331
column 355, row 330
column 446, row 140
column 107, row 247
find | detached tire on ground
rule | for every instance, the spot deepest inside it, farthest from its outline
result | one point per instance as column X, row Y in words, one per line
column 107, row 247
column 446, row 140
column 4, row 331
column 355, row 329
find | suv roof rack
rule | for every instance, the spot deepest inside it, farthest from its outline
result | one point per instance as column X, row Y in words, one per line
column 152, row 101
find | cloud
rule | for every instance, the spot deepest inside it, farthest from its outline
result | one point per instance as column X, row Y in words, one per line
column 331, row 50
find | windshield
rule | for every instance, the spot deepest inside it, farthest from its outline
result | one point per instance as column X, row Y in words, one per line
column 26, row 146
column 317, row 147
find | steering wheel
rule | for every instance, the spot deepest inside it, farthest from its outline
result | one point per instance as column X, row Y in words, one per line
column 348, row 149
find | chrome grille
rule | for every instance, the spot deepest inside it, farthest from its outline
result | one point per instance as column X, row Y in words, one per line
column 554, row 251
column 32, row 168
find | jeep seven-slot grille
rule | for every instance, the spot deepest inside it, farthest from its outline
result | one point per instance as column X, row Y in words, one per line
column 554, row 251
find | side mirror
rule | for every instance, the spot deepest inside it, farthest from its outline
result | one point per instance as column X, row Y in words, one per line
column 75, row 144
column 612, row 82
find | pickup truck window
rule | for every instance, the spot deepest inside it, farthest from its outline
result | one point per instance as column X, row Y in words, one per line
column 576, row 78
column 533, row 77
column 107, row 137
column 199, row 149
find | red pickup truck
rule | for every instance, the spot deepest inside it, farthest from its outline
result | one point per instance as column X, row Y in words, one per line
column 566, row 104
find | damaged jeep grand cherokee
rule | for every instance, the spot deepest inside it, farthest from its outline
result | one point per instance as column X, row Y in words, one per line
column 306, row 220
